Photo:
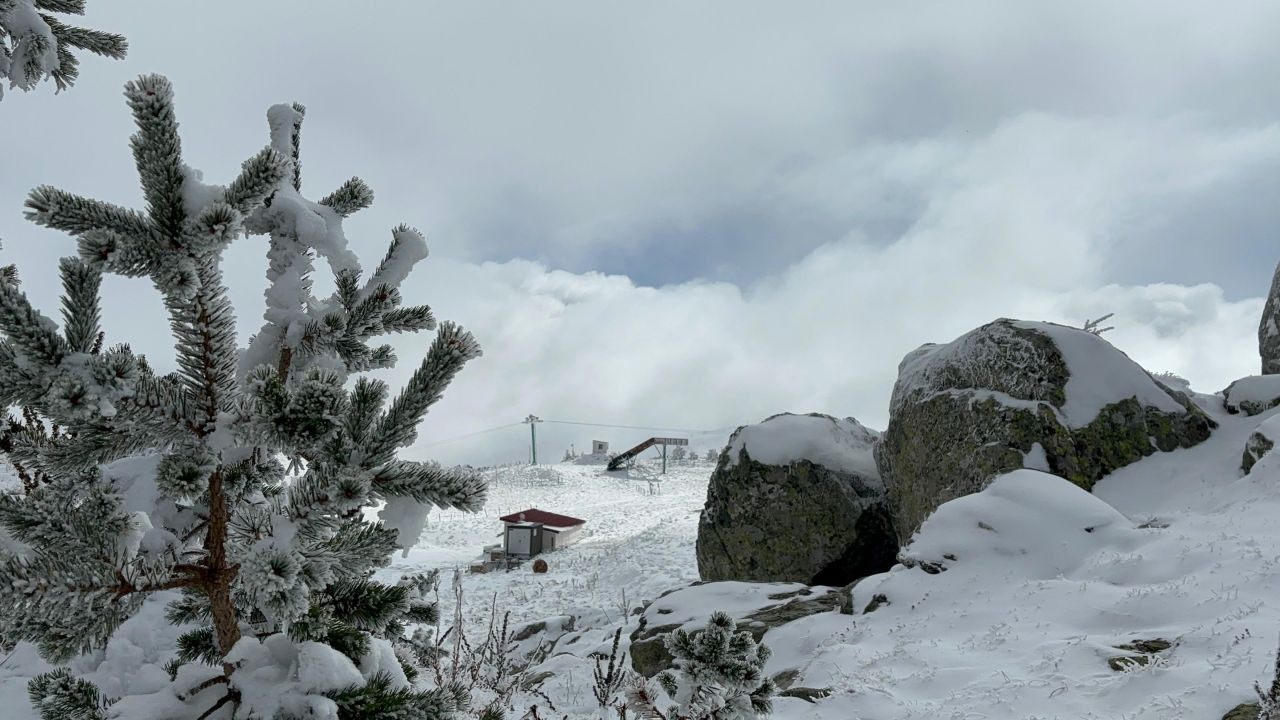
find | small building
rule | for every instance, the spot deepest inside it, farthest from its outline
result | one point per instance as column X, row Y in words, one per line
column 534, row 531
column 599, row 447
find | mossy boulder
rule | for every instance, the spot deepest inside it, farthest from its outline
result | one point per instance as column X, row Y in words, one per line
column 1243, row 711
column 796, row 498
column 1014, row 394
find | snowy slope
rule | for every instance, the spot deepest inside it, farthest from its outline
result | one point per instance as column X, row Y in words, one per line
column 1179, row 547
column 639, row 538
column 1023, row 623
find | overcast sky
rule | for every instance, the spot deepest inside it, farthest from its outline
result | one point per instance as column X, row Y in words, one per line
column 695, row 215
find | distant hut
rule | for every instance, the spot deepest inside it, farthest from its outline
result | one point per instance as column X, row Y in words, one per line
column 532, row 532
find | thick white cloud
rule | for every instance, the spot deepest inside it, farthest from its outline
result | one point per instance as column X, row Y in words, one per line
column 854, row 178
column 1018, row 223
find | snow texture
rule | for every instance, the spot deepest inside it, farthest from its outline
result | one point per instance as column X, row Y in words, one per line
column 839, row 445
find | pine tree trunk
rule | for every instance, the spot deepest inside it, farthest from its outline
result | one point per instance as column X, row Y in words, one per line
column 218, row 582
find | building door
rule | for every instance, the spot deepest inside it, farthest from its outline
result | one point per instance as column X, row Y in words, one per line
column 518, row 540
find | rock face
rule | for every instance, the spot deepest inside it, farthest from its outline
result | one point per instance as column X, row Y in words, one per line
column 1269, row 329
column 1014, row 394
column 796, row 498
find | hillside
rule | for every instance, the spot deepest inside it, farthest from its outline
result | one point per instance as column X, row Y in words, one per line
column 1023, row 624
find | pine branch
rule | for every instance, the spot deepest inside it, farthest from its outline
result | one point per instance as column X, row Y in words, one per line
column 30, row 333
column 68, row 7
column 157, row 151
column 259, row 176
column 60, row 210
column 407, row 248
column 68, row 70
column 350, row 197
column 80, row 313
column 57, row 695
column 451, row 349
column 204, row 327
column 295, row 142
column 95, row 41
column 408, row 320
column 459, row 487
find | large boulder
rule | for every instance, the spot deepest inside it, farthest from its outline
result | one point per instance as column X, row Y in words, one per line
column 1014, row 394
column 796, row 498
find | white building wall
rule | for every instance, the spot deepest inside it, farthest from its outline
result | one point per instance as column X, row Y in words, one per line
column 568, row 536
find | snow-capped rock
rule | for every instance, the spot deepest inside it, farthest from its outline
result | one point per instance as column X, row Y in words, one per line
column 966, row 411
column 1252, row 395
column 796, row 498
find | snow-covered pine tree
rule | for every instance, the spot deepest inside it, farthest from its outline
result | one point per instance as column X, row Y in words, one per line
column 241, row 478
column 721, row 676
column 35, row 45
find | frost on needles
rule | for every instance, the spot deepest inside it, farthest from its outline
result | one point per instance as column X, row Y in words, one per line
column 240, row 479
column 35, row 45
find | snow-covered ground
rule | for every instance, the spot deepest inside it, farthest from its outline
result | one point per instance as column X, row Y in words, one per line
column 1180, row 547
column 638, row 540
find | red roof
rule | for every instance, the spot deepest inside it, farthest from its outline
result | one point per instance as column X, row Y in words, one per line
column 534, row 515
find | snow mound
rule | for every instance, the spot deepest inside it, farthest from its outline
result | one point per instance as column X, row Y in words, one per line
column 1253, row 394
column 1037, row 524
column 592, row 459
column 840, row 445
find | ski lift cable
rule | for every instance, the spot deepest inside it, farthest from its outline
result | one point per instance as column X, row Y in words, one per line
column 471, row 434
column 640, row 427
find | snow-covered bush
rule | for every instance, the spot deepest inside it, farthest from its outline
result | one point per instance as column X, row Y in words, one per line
column 1269, row 699
column 239, row 479
column 36, row 46
column 721, row 676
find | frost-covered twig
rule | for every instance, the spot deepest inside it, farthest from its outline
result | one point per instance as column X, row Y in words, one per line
column 1269, row 700
column 1091, row 326
column 612, row 676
